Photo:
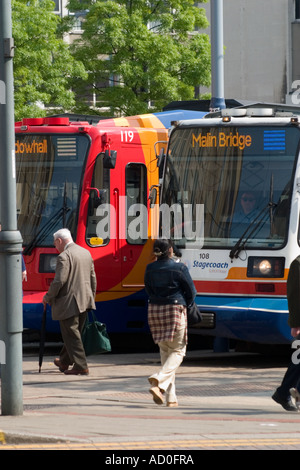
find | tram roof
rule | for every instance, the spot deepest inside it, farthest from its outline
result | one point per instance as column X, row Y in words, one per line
column 258, row 109
column 197, row 109
column 204, row 105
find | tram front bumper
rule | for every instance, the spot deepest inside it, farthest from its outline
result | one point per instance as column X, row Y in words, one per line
column 247, row 319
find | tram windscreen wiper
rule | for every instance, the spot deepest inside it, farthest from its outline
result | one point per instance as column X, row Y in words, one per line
column 240, row 244
column 45, row 230
column 50, row 225
column 261, row 217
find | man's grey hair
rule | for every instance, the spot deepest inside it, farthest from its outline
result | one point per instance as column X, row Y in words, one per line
column 64, row 234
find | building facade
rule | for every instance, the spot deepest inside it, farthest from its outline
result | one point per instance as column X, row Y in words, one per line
column 261, row 44
column 261, row 49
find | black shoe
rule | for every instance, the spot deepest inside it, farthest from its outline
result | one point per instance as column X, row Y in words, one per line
column 286, row 404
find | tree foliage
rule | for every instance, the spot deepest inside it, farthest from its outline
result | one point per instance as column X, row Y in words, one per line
column 43, row 64
column 141, row 53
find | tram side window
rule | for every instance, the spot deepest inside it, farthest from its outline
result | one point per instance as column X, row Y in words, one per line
column 98, row 226
column 136, row 203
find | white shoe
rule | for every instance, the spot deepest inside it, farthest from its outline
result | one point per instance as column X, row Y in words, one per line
column 296, row 395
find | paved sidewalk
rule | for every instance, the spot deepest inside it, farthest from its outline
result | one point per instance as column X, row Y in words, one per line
column 224, row 404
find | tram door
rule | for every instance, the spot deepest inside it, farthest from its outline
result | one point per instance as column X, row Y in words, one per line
column 102, row 233
column 135, row 221
column 117, row 223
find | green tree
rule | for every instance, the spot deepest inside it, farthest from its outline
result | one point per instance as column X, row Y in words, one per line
column 141, row 54
column 43, row 65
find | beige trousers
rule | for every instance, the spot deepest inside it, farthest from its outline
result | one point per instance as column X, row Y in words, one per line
column 171, row 356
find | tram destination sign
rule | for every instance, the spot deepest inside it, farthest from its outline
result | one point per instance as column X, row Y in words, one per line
column 222, row 139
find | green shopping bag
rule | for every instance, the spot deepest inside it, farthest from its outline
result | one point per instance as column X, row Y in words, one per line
column 94, row 337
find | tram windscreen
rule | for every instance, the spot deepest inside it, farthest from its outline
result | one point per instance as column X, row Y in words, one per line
column 242, row 177
column 48, row 174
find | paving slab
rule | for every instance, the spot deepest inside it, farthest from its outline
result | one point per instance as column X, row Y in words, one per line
column 224, row 403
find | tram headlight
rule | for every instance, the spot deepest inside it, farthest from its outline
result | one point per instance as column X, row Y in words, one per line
column 48, row 263
column 265, row 267
column 269, row 267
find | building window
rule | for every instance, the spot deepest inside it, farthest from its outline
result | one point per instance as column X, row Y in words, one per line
column 77, row 25
column 57, row 6
column 297, row 9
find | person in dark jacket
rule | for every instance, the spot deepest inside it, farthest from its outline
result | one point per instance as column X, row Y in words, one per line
column 290, row 385
column 170, row 289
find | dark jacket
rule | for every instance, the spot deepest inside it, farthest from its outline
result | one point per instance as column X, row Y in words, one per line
column 169, row 282
column 293, row 293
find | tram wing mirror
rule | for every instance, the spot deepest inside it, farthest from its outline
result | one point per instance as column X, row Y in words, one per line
column 153, row 195
column 109, row 159
column 160, row 157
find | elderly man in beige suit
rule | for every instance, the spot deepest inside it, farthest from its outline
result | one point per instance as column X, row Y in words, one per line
column 71, row 294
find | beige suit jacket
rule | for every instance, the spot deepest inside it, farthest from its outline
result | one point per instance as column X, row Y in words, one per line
column 73, row 288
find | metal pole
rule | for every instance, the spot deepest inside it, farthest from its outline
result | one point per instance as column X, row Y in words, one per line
column 11, row 324
column 217, row 55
